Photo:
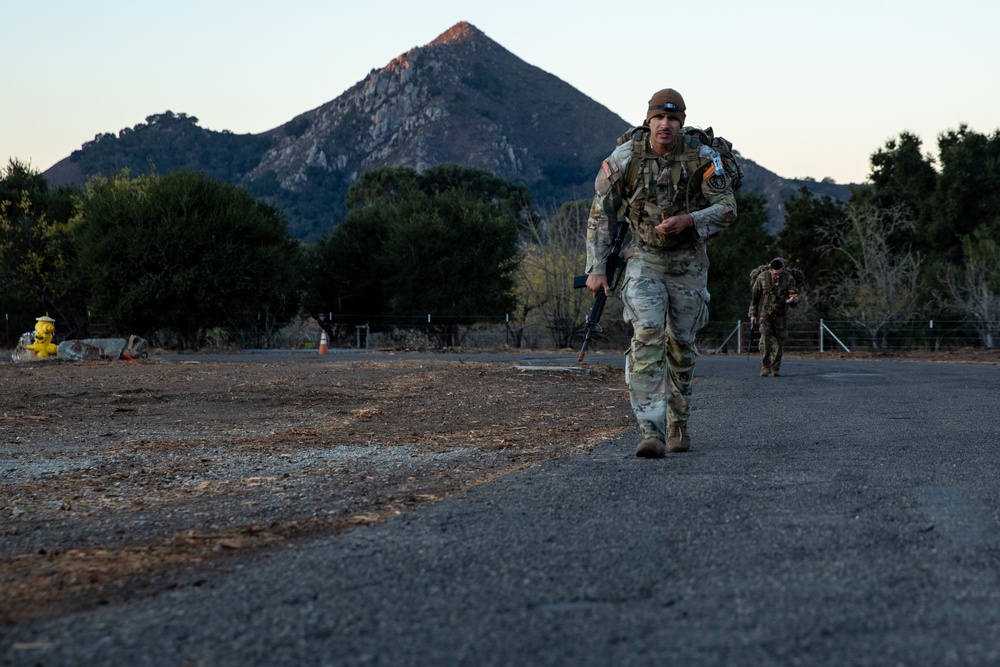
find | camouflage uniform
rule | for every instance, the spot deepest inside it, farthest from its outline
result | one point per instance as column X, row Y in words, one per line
column 665, row 290
column 768, row 303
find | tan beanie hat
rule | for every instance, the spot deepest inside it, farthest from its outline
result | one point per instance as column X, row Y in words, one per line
column 669, row 101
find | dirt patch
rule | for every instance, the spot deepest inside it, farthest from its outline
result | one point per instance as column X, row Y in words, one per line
column 124, row 479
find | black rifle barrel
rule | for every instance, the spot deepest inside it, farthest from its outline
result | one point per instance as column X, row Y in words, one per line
column 614, row 269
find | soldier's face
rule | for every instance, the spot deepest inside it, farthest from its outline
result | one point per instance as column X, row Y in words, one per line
column 663, row 131
column 775, row 273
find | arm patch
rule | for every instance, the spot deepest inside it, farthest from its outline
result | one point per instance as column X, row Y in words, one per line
column 718, row 183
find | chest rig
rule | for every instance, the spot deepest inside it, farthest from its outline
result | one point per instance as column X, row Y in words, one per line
column 659, row 187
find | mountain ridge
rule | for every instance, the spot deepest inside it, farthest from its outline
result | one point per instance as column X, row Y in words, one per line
column 462, row 98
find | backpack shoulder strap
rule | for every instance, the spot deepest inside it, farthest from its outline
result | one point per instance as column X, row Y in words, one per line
column 797, row 275
column 637, row 138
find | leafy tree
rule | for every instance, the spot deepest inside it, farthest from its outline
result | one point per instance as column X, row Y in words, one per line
column 344, row 273
column 37, row 262
column 383, row 186
column 901, row 176
column 185, row 253
column 454, row 254
column 513, row 199
column 948, row 204
column 966, row 195
column 741, row 247
column 416, row 244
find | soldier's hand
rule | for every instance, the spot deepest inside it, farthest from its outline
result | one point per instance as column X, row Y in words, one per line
column 753, row 321
column 596, row 283
column 675, row 224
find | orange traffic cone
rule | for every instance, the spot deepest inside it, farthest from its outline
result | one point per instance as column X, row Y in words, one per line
column 324, row 344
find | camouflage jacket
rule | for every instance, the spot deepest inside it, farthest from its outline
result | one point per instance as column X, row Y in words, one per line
column 768, row 297
column 689, row 179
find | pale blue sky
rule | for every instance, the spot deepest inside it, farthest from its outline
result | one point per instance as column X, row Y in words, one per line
column 804, row 88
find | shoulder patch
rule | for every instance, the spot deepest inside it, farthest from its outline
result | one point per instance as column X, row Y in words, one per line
column 718, row 183
column 606, row 168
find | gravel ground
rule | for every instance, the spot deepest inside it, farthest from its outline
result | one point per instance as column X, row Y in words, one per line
column 123, row 479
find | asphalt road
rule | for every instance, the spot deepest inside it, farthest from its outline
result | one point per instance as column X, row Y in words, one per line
column 847, row 513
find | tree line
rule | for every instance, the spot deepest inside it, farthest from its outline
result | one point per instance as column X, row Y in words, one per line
column 921, row 240
column 182, row 256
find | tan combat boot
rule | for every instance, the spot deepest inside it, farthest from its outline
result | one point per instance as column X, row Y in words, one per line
column 765, row 371
column 678, row 439
column 650, row 447
column 776, row 371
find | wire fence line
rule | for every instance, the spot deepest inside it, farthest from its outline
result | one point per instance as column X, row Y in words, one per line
column 432, row 332
column 848, row 335
column 718, row 337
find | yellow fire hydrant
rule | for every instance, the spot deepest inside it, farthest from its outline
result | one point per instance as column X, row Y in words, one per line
column 45, row 329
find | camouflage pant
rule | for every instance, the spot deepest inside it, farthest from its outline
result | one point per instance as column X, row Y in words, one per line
column 772, row 341
column 666, row 302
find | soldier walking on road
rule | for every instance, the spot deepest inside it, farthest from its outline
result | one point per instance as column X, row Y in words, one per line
column 772, row 293
column 676, row 193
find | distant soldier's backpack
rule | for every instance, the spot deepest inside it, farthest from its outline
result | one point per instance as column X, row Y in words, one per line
column 795, row 272
column 800, row 278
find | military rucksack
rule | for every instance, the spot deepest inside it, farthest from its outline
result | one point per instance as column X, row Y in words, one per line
column 693, row 136
column 794, row 271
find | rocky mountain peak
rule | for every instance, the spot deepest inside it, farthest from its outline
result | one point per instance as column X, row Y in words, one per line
column 463, row 31
column 458, row 99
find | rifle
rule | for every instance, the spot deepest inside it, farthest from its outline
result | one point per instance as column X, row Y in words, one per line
column 750, row 338
column 614, row 269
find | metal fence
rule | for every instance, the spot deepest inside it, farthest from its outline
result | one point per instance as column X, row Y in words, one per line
column 501, row 332
column 717, row 337
column 827, row 335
